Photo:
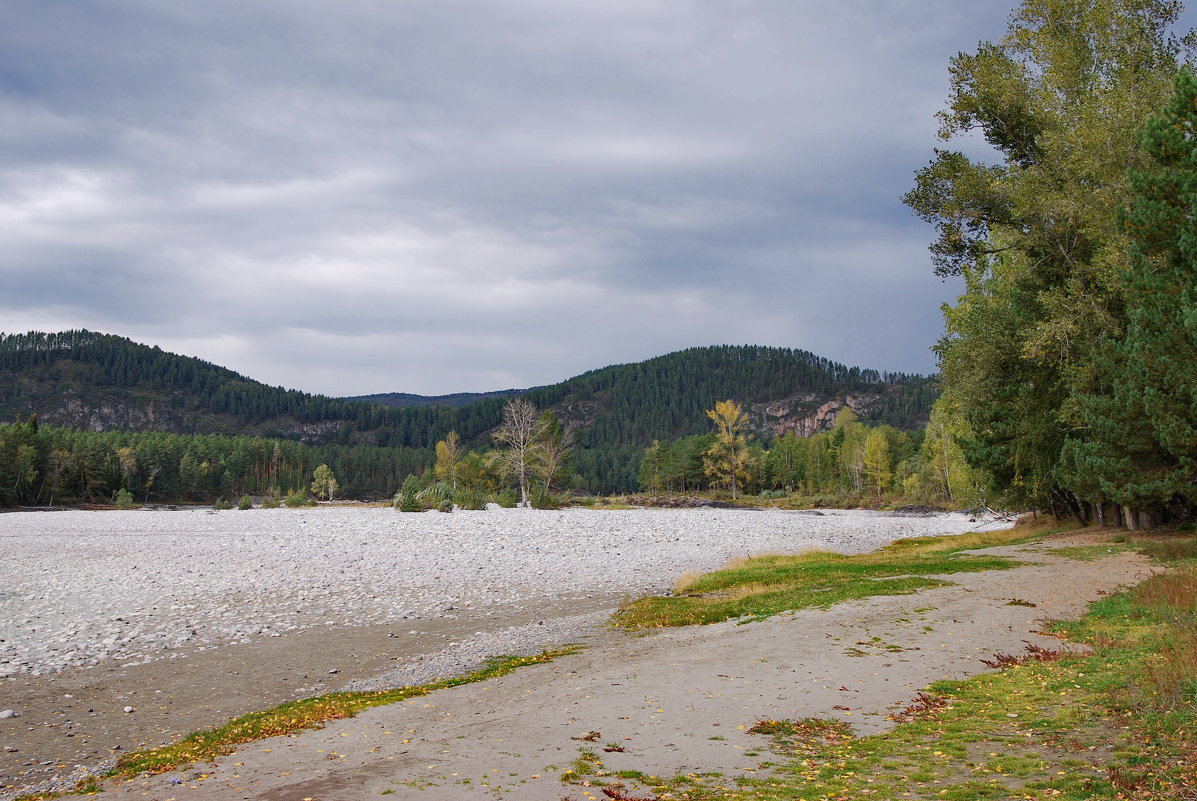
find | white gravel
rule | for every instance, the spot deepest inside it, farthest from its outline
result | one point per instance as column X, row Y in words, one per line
column 79, row 588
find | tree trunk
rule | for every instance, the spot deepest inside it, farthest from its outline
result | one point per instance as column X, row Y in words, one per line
column 1115, row 515
column 1131, row 518
column 1075, row 507
column 1099, row 514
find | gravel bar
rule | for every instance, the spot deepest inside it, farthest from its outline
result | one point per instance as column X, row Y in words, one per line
column 126, row 587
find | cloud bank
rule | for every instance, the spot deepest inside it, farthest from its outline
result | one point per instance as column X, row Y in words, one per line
column 458, row 196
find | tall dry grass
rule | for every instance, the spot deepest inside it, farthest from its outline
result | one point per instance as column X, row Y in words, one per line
column 1168, row 680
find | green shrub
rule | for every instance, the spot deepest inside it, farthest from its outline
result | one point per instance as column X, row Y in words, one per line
column 408, row 503
column 270, row 502
column 246, row 502
column 507, row 499
column 221, row 504
column 469, row 499
column 436, row 495
column 124, row 500
column 541, row 499
column 297, row 498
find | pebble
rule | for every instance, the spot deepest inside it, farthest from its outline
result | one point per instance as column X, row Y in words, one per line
column 8, row 713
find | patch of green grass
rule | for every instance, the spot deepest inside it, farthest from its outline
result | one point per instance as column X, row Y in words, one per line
column 759, row 587
column 586, row 765
column 1087, row 553
column 1179, row 547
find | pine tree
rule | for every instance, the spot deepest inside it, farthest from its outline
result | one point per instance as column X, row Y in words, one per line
column 1142, row 444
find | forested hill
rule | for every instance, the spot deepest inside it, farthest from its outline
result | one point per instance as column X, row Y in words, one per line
column 98, row 382
column 401, row 399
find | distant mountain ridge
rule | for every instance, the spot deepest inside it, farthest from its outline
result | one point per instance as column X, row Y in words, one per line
column 98, row 382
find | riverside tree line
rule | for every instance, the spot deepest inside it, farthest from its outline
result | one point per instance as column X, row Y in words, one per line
column 852, row 463
column 44, row 465
column 530, row 461
column 1069, row 363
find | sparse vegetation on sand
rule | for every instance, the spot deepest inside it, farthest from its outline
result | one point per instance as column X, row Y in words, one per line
column 758, row 587
column 1118, row 723
column 293, row 716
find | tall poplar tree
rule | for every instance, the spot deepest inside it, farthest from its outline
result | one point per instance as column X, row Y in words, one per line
column 1036, row 235
column 878, row 467
column 448, row 459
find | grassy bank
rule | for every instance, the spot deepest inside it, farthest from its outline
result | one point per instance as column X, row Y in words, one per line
column 1120, row 723
column 761, row 586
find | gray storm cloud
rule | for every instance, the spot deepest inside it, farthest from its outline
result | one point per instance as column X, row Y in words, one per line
column 445, row 196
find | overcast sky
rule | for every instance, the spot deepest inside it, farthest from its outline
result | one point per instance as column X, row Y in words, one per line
column 366, row 196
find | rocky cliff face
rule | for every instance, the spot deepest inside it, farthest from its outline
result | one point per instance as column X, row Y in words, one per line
column 95, row 412
column 806, row 414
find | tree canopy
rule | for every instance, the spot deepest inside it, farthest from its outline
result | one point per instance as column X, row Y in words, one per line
column 1047, row 264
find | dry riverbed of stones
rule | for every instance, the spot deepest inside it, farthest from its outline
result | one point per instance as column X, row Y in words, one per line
column 114, row 591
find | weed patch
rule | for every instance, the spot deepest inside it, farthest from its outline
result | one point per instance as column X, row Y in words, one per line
column 1173, row 548
column 924, row 706
column 1087, row 553
column 1033, row 652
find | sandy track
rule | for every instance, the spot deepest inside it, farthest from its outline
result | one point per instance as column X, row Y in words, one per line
column 662, row 697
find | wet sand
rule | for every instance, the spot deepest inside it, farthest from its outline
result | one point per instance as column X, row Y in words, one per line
column 76, row 717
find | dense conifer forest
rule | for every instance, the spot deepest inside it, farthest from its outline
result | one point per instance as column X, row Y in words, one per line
column 195, row 431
